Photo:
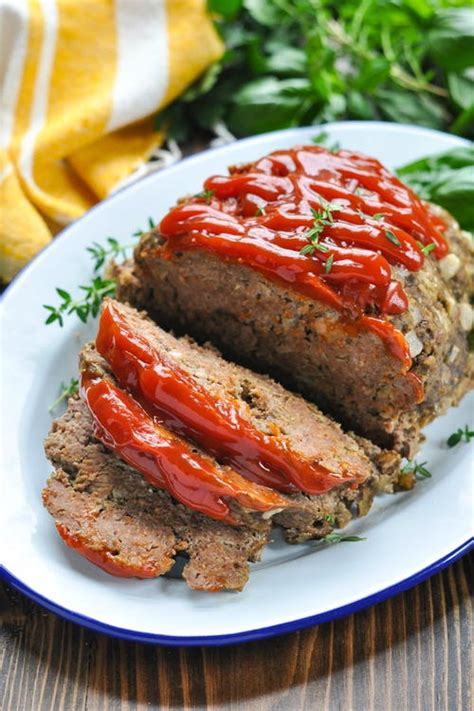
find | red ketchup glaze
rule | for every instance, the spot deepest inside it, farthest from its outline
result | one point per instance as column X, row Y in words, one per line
column 187, row 408
column 104, row 558
column 261, row 215
column 165, row 460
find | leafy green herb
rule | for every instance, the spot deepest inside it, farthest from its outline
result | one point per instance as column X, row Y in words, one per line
column 426, row 248
column 330, row 519
column 151, row 226
column 461, row 435
column 114, row 250
column 206, row 195
column 84, row 307
column 324, row 139
column 378, row 216
column 413, row 467
column 260, row 211
column 308, row 62
column 446, row 179
column 65, row 391
column 322, row 218
column 340, row 538
column 392, row 237
column 328, row 264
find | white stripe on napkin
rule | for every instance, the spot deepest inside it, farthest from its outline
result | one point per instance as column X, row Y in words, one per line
column 13, row 46
column 142, row 64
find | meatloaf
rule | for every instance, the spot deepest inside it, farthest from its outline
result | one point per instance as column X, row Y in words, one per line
column 108, row 512
column 282, row 417
column 308, row 344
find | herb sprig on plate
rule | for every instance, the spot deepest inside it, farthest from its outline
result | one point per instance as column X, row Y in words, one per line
column 417, row 468
column 461, row 435
column 66, row 390
column 341, row 538
column 87, row 302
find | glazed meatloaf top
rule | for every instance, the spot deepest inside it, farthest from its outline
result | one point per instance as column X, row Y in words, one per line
column 189, row 279
column 107, row 511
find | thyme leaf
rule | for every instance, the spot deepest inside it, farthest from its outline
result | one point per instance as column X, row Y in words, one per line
column 65, row 391
column 461, row 435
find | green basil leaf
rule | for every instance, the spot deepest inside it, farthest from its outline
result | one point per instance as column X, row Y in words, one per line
column 461, row 88
column 373, row 73
column 451, row 38
column 446, row 179
column 266, row 12
column 268, row 104
column 225, row 8
column 406, row 107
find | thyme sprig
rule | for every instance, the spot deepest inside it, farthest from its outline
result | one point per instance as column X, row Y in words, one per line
column 89, row 305
column 426, row 248
column 417, row 468
column 66, row 390
column 206, row 195
column 461, row 435
column 151, row 226
column 392, row 238
column 340, row 538
column 114, row 250
column 322, row 218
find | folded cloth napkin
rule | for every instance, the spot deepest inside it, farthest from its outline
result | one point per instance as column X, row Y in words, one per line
column 80, row 81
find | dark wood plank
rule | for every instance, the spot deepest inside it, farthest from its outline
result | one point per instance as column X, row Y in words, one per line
column 410, row 653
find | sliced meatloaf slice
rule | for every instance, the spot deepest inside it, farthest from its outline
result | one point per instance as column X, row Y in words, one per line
column 305, row 344
column 282, row 416
column 107, row 511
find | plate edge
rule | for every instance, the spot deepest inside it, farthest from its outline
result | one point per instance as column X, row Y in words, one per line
column 249, row 635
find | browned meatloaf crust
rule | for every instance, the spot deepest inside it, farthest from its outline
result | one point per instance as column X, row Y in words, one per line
column 300, row 342
column 110, row 507
column 276, row 412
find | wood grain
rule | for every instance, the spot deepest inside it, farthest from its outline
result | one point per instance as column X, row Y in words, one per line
column 410, row 653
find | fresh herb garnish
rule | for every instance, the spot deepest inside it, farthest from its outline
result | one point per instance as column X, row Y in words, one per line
column 340, row 538
column 330, row 519
column 426, row 248
column 392, row 238
column 329, row 263
column 206, row 195
column 447, row 179
column 461, row 435
column 413, row 467
column 84, row 307
column 306, row 63
column 260, row 211
column 322, row 218
column 151, row 226
column 100, row 253
column 65, row 391
column 378, row 216
column 323, row 139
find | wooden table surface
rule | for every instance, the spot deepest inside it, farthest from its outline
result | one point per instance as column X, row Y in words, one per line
column 410, row 653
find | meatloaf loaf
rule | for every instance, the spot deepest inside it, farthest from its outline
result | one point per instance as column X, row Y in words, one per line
column 192, row 280
column 283, row 419
column 106, row 511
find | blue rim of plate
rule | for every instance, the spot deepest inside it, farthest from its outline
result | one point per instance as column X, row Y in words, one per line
column 248, row 635
column 263, row 632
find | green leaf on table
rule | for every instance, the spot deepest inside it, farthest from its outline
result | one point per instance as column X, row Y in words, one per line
column 406, row 107
column 451, row 38
column 225, row 8
column 266, row 12
column 268, row 104
column 446, row 179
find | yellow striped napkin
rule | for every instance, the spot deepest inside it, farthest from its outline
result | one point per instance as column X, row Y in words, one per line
column 80, row 81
